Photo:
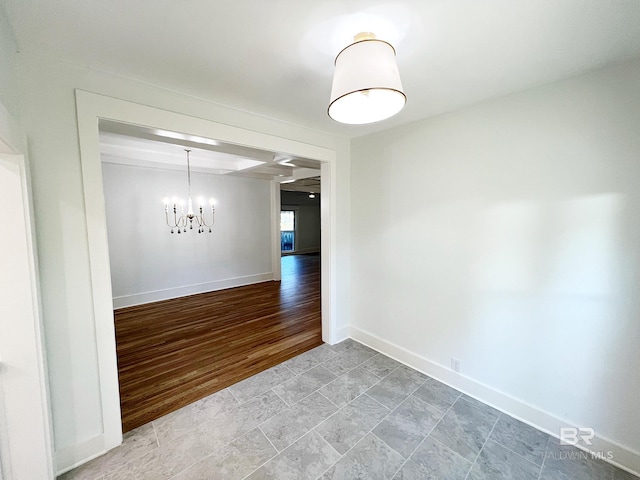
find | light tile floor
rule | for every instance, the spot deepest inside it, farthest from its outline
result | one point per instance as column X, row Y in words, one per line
column 341, row 412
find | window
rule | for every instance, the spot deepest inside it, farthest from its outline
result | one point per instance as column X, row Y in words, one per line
column 287, row 230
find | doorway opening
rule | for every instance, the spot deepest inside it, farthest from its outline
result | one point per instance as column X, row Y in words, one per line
column 90, row 109
column 222, row 315
column 287, row 230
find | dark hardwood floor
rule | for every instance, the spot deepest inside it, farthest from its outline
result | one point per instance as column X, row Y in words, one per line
column 174, row 352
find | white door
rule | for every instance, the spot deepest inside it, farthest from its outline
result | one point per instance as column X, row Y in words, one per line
column 25, row 441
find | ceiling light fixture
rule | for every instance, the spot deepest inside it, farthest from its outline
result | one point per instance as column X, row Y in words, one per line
column 312, row 195
column 366, row 82
column 180, row 223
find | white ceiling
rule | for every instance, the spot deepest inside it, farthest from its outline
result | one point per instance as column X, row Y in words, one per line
column 128, row 144
column 275, row 57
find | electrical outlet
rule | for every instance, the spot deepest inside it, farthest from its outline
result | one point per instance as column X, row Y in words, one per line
column 455, row 364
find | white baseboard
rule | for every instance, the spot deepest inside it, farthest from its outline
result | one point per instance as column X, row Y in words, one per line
column 183, row 291
column 76, row 455
column 621, row 456
column 339, row 335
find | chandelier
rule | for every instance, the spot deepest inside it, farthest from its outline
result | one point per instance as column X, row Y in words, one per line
column 180, row 223
column 366, row 83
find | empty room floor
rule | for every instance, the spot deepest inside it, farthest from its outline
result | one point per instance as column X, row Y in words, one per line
column 174, row 352
column 341, row 412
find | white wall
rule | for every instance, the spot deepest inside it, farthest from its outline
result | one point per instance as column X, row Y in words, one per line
column 148, row 263
column 507, row 235
column 12, row 138
column 8, row 71
column 48, row 113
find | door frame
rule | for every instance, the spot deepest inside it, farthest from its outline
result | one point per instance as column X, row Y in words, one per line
column 25, row 415
column 91, row 108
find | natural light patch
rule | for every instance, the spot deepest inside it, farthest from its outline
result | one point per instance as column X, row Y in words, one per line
column 585, row 256
column 506, row 253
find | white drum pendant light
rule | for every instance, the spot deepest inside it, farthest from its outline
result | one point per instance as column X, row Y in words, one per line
column 366, row 83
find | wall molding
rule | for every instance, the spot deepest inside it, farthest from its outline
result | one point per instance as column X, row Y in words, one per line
column 185, row 290
column 341, row 334
column 622, row 456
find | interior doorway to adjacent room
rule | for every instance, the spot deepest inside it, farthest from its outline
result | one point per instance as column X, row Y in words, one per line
column 185, row 332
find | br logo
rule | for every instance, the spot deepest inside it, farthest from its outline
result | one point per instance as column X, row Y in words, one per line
column 573, row 436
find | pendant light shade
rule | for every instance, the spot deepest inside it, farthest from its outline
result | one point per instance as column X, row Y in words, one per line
column 366, row 82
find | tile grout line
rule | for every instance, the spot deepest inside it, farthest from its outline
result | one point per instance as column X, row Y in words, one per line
column 270, row 442
column 330, row 446
column 279, row 452
column 258, row 426
column 234, row 438
column 390, row 411
column 264, row 391
column 426, row 436
column 298, row 438
column 283, row 400
column 210, row 454
column 390, row 448
column 365, row 393
column 314, row 366
column 232, row 395
column 291, row 406
column 347, row 452
column 482, row 448
column 329, row 400
column 544, row 458
column 378, row 376
column 133, row 459
column 305, row 397
column 332, row 415
column 155, row 434
column 294, row 373
column 514, row 452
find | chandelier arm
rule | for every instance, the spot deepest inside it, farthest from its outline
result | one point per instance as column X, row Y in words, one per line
column 198, row 219
column 175, row 218
column 204, row 221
